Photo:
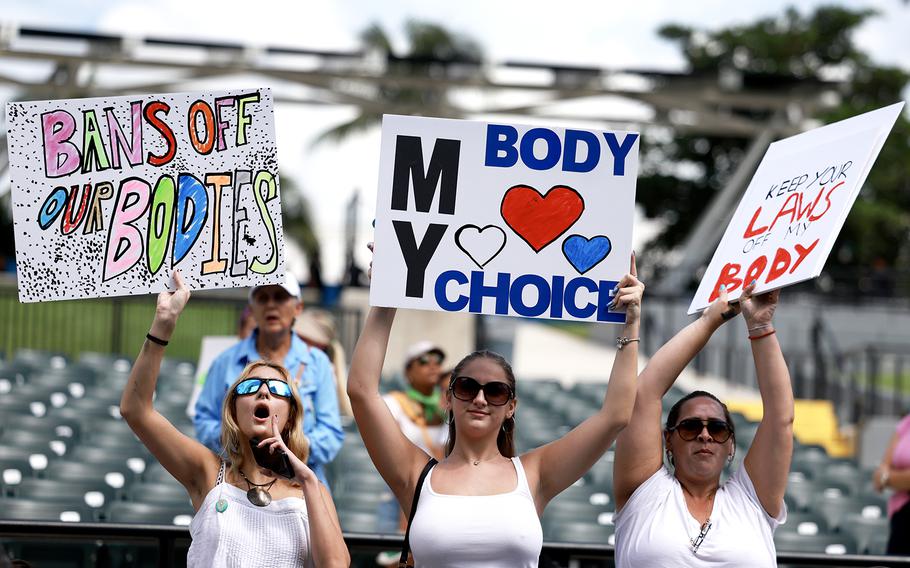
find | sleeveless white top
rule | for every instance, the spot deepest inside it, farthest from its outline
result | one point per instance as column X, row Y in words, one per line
column 470, row 531
column 654, row 528
column 247, row 536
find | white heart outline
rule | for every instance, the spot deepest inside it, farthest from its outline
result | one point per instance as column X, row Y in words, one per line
column 480, row 232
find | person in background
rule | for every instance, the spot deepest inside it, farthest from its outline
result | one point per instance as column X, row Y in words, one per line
column 275, row 307
column 317, row 329
column 417, row 410
column 894, row 473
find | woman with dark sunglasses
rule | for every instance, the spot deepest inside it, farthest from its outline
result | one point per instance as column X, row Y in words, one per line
column 481, row 505
column 246, row 514
column 679, row 513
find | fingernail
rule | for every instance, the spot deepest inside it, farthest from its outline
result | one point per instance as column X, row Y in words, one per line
column 753, row 283
column 723, row 287
column 615, row 289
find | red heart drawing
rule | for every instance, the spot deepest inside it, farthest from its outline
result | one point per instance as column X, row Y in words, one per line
column 541, row 219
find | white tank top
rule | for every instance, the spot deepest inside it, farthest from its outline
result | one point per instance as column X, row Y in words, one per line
column 466, row 531
column 244, row 535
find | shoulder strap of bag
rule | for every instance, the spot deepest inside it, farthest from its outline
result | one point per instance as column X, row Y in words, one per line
column 406, row 545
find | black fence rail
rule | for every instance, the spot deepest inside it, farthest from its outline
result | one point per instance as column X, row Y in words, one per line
column 78, row 545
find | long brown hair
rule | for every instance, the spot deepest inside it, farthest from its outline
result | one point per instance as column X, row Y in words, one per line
column 232, row 437
column 505, row 440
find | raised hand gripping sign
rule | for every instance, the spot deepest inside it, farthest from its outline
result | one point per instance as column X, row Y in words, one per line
column 503, row 219
column 110, row 195
column 795, row 205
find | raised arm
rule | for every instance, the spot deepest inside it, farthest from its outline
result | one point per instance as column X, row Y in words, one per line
column 397, row 459
column 578, row 450
column 638, row 447
column 768, row 459
column 326, row 540
column 191, row 463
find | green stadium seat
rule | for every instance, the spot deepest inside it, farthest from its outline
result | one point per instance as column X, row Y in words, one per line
column 581, row 532
column 865, row 528
column 148, row 514
column 830, row 543
column 358, row 521
column 88, row 493
column 160, row 493
column 12, row 508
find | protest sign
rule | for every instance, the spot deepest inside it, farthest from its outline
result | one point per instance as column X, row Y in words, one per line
column 795, row 205
column 111, row 195
column 503, row 219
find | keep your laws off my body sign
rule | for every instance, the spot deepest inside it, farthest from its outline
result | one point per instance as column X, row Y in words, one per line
column 503, row 219
column 795, row 205
column 110, row 195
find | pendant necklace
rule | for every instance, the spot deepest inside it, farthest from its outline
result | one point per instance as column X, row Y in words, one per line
column 256, row 494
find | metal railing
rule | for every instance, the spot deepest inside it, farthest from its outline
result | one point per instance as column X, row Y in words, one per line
column 113, row 545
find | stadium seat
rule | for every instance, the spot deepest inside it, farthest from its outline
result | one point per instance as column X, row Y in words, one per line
column 169, row 493
column 570, row 531
column 358, row 521
column 836, row 506
column 87, row 493
column 362, row 501
column 148, row 514
column 830, row 543
column 865, row 528
column 114, row 473
column 561, row 511
column 31, row 510
column 358, row 481
column 805, row 523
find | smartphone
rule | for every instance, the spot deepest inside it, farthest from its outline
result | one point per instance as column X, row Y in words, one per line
column 277, row 462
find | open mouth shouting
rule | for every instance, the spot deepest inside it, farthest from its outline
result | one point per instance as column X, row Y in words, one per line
column 261, row 412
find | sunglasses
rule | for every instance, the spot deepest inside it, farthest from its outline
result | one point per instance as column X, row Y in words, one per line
column 252, row 385
column 691, row 428
column 496, row 393
column 428, row 358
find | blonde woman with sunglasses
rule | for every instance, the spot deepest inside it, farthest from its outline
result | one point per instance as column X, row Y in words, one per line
column 680, row 514
column 481, row 505
column 246, row 514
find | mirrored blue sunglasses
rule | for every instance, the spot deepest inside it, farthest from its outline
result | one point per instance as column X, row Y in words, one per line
column 251, row 386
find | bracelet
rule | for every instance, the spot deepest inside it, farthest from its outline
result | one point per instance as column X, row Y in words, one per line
column 883, row 477
column 623, row 341
column 752, row 330
column 766, row 334
column 157, row 340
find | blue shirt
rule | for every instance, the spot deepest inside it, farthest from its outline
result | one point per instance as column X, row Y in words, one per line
column 321, row 421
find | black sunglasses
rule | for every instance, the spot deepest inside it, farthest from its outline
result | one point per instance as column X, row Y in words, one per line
column 496, row 393
column 252, row 385
column 428, row 358
column 690, row 428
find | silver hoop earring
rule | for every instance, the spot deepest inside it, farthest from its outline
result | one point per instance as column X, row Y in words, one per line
column 669, row 455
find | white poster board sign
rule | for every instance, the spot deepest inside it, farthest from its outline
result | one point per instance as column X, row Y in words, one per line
column 795, row 205
column 503, row 219
column 110, row 195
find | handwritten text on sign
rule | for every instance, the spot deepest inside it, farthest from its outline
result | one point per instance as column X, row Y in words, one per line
column 111, row 194
column 795, row 205
column 503, row 219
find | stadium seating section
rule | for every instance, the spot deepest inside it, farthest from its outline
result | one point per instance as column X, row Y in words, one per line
column 66, row 455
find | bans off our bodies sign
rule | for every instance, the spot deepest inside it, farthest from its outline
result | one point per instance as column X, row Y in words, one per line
column 795, row 205
column 110, row 195
column 503, row 219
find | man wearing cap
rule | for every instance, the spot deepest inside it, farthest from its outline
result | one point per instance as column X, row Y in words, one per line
column 274, row 308
column 417, row 409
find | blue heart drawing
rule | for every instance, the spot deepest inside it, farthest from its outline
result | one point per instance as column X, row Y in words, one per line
column 584, row 254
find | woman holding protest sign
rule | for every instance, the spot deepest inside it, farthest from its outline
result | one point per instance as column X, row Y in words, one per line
column 681, row 514
column 262, row 506
column 480, row 506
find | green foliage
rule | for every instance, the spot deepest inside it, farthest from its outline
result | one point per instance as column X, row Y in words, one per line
column 779, row 53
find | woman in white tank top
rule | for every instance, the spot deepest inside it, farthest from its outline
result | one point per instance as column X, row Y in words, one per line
column 681, row 515
column 246, row 515
column 481, row 505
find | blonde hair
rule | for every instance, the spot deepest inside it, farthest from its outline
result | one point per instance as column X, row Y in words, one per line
column 232, row 437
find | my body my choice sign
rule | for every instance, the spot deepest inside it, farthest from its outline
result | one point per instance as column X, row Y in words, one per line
column 110, row 195
column 503, row 219
column 795, row 205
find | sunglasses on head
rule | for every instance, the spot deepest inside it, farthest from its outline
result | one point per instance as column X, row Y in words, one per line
column 428, row 358
column 496, row 393
column 690, row 428
column 251, row 386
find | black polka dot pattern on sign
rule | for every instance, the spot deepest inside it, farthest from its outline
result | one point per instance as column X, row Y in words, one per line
column 55, row 266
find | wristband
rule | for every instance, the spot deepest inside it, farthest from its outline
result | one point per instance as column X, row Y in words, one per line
column 154, row 339
column 766, row 334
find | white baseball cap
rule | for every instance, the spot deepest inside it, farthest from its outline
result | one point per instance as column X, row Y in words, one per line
column 420, row 348
column 290, row 285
